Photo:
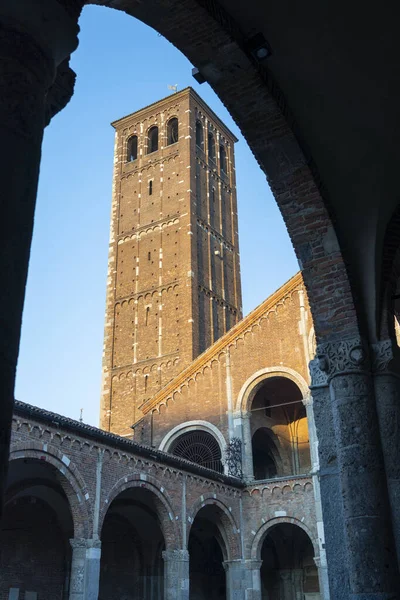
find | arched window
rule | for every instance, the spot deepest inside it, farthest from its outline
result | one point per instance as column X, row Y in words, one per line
column 211, row 146
column 132, row 147
column 222, row 159
column 199, row 135
column 152, row 139
column 199, row 447
column 172, row 131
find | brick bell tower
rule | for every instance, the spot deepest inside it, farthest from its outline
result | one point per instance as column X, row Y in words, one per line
column 173, row 284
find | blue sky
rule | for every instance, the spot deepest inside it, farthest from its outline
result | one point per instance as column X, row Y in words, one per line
column 122, row 65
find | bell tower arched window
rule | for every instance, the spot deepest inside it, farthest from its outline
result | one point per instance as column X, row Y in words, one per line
column 132, row 148
column 152, row 139
column 211, row 146
column 172, row 131
column 222, row 159
column 199, row 135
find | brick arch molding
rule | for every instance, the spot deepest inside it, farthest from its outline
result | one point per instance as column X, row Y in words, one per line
column 259, row 109
column 242, row 403
column 69, row 481
column 262, row 532
column 165, row 511
column 178, row 430
column 229, row 530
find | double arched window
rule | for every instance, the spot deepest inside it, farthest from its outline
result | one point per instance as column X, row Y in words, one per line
column 152, row 139
column 172, row 131
column 223, row 159
column 132, row 148
column 211, row 146
column 199, row 135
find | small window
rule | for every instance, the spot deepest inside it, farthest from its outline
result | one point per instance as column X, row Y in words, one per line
column 132, row 148
column 211, row 146
column 199, row 135
column 172, row 131
column 152, row 139
column 150, row 187
column 149, row 256
column 222, row 159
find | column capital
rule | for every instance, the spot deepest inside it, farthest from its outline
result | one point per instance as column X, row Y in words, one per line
column 341, row 357
column 233, row 564
column 78, row 543
column 175, row 555
column 385, row 357
column 308, row 400
column 252, row 563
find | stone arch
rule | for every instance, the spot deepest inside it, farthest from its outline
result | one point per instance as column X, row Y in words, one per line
column 177, row 431
column 231, row 540
column 166, row 513
column 262, row 532
column 69, row 479
column 249, row 386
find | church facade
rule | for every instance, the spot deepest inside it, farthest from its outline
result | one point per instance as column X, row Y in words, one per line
column 202, row 481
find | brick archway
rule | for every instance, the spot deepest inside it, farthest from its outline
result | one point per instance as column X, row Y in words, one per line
column 262, row 532
column 69, row 479
column 229, row 527
column 245, row 395
column 260, row 111
column 171, row 531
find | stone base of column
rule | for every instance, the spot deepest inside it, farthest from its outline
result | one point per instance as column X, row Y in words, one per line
column 243, row 579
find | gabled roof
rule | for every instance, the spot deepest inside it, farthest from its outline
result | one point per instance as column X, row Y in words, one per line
column 293, row 283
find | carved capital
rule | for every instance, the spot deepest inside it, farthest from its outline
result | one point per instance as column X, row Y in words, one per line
column 385, row 357
column 176, row 555
column 61, row 91
column 318, row 377
column 78, row 543
column 347, row 356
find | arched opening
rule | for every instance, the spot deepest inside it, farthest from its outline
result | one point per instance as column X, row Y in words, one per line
column 265, row 463
column 207, row 550
column 288, row 570
column 132, row 543
column 132, row 148
column 199, row 447
column 152, row 139
column 211, row 146
column 172, row 131
column 280, row 441
column 199, row 135
column 223, row 159
column 35, row 553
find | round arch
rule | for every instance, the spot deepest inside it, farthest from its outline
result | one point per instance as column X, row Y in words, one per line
column 246, row 392
column 262, row 532
column 166, row 513
column 177, row 431
column 69, row 481
column 228, row 523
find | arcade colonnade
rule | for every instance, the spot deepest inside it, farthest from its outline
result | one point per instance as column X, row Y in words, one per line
column 355, row 382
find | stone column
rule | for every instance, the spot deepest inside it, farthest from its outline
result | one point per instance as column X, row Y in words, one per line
column 369, row 550
column 322, row 568
column 252, row 579
column 176, row 574
column 85, row 569
column 386, row 369
column 35, row 38
column 242, row 429
column 330, row 511
column 235, row 579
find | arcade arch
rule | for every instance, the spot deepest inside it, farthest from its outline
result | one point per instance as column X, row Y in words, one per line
column 288, row 570
column 133, row 541
column 38, row 524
